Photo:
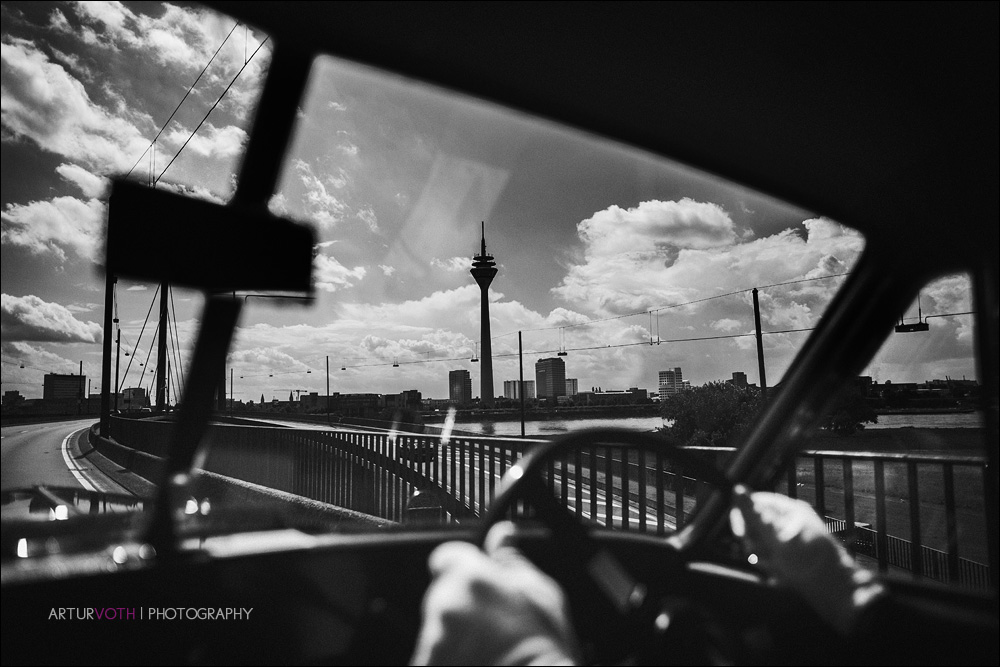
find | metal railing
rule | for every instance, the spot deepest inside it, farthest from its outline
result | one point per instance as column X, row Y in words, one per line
column 906, row 511
column 913, row 511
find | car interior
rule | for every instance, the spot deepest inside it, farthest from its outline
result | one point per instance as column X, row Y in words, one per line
column 882, row 116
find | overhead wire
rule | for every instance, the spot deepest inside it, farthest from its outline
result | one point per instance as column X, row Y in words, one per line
column 139, row 340
column 669, row 306
column 177, row 337
column 195, row 131
column 190, row 88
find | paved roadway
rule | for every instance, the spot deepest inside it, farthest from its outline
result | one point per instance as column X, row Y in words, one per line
column 51, row 454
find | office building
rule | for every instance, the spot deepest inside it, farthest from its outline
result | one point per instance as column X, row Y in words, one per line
column 56, row 387
column 571, row 387
column 460, row 387
column 671, row 382
column 510, row 389
column 550, row 377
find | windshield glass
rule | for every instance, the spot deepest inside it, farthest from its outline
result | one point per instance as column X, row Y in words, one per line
column 461, row 248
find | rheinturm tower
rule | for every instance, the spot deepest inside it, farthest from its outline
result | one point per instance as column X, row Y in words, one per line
column 483, row 270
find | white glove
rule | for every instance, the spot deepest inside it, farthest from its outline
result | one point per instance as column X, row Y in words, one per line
column 793, row 546
column 492, row 608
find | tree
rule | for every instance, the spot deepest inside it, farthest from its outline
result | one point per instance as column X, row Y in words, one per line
column 715, row 414
column 849, row 413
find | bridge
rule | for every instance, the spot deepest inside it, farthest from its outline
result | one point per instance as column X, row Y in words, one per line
column 906, row 512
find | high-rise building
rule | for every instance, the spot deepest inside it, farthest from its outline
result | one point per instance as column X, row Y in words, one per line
column 510, row 389
column 484, row 269
column 571, row 387
column 671, row 382
column 740, row 379
column 56, row 386
column 550, row 377
column 460, row 387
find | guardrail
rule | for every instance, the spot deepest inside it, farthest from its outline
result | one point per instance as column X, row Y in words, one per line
column 912, row 496
column 910, row 499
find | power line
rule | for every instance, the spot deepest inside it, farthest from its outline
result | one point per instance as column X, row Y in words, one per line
column 572, row 349
column 190, row 88
column 195, row 131
column 674, row 305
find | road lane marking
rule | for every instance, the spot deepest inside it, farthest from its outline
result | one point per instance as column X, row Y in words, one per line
column 71, row 464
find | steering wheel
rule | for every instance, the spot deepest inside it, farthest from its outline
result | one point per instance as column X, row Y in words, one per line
column 622, row 617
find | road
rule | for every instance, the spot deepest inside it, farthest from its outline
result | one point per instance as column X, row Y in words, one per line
column 50, row 454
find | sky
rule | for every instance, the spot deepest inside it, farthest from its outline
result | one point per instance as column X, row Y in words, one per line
column 602, row 249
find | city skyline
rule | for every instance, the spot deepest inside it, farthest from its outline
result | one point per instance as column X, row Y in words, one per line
column 600, row 246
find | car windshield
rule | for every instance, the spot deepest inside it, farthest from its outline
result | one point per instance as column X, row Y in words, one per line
column 483, row 281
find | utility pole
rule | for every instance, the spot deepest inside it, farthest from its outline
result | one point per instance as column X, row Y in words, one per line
column 520, row 363
column 118, row 353
column 79, row 398
column 760, row 347
column 328, row 390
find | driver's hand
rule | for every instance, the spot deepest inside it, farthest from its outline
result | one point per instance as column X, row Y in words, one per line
column 793, row 546
column 492, row 608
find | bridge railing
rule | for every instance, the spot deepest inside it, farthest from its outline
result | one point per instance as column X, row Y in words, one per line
column 912, row 512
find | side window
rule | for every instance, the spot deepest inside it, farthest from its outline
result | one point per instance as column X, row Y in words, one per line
column 898, row 468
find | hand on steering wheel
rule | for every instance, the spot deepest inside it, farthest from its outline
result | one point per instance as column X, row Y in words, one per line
column 617, row 616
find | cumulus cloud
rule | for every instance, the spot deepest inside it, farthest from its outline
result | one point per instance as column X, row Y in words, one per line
column 387, row 270
column 194, row 191
column 83, row 307
column 653, row 225
column 268, row 358
column 210, row 141
column 654, row 256
column 278, row 204
column 50, row 226
column 74, row 64
column 407, row 349
column 726, row 324
column 367, row 216
column 43, row 103
column 91, row 185
column 321, row 205
column 331, row 275
column 35, row 358
column 181, row 37
column 29, row 318
column 452, row 264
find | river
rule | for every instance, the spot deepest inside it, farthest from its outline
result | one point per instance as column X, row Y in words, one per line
column 548, row 428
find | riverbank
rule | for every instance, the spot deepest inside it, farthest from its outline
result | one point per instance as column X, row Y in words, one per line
column 547, row 414
column 907, row 438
